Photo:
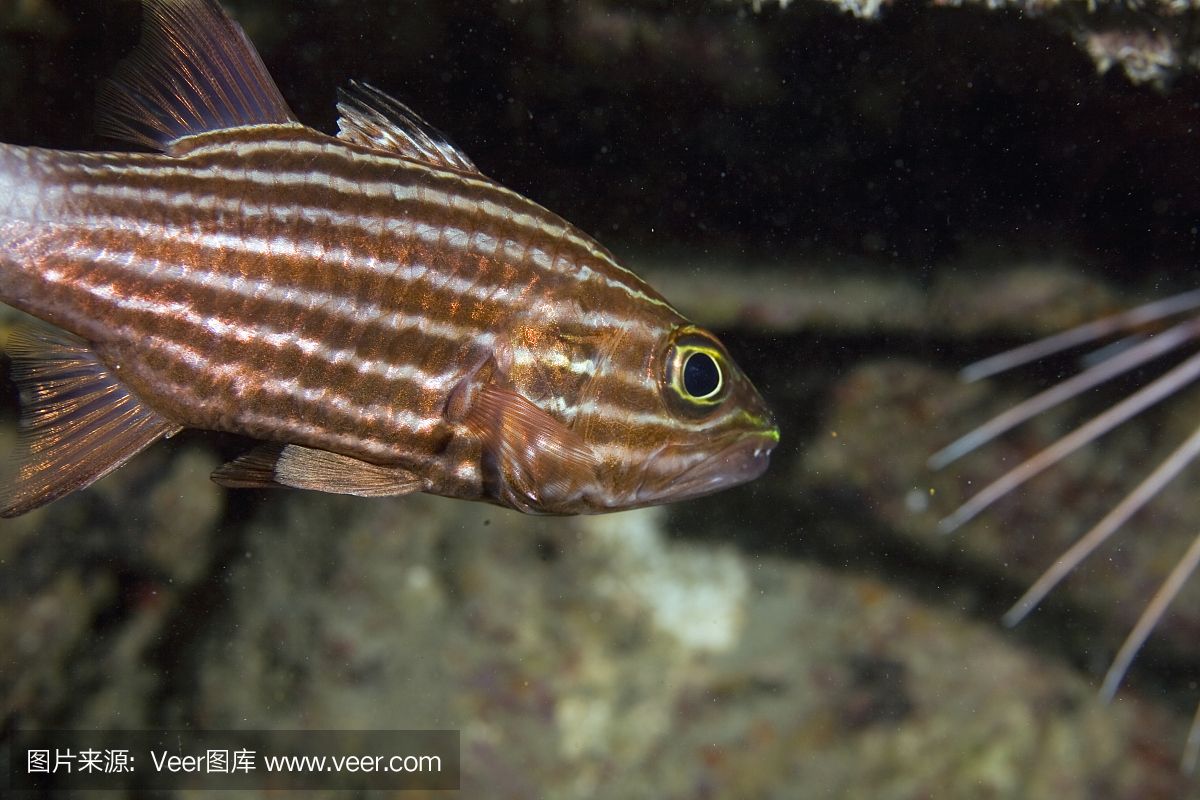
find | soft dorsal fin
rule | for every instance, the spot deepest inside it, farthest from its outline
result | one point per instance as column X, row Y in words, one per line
column 194, row 71
column 78, row 421
column 374, row 119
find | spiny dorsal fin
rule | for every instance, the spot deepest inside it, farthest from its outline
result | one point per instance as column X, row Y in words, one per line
column 271, row 465
column 194, row 71
column 78, row 422
column 374, row 119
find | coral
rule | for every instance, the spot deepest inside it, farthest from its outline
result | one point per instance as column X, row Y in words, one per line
column 1150, row 41
column 581, row 658
column 1146, row 56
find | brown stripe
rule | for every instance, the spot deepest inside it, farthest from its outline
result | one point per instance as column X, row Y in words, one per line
column 231, row 388
column 342, row 163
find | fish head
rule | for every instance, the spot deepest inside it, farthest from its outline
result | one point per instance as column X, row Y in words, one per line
column 690, row 423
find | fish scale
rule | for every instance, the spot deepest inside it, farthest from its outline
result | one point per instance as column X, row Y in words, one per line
column 295, row 265
column 382, row 316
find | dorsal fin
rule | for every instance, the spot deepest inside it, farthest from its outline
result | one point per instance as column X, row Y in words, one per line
column 374, row 119
column 194, row 71
column 78, row 421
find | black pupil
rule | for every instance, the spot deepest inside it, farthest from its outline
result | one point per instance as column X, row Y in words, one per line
column 701, row 375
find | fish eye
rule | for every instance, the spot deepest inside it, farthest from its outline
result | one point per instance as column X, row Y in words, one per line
column 701, row 375
column 697, row 372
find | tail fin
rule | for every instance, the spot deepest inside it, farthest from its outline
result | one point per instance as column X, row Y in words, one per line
column 78, row 421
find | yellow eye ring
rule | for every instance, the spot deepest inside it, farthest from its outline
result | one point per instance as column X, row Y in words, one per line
column 698, row 377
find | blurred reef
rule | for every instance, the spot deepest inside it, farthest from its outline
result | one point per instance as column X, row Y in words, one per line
column 862, row 197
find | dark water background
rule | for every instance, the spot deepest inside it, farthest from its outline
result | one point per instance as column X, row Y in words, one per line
column 861, row 208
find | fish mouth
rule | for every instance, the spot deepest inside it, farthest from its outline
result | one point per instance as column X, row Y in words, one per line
column 742, row 460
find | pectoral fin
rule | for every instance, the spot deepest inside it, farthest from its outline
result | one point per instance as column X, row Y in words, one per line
column 539, row 460
column 78, row 421
column 273, row 465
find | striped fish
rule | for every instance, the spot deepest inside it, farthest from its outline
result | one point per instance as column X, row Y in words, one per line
column 383, row 317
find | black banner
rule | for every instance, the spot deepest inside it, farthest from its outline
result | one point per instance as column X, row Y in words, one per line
column 190, row 759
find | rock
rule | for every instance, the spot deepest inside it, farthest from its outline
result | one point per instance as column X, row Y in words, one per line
column 918, row 409
column 595, row 658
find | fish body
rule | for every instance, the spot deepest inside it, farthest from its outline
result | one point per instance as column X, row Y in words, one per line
column 381, row 315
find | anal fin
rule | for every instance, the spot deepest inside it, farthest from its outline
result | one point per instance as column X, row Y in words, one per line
column 78, row 421
column 272, row 465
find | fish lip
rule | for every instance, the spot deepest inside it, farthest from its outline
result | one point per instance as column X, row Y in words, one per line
column 744, row 459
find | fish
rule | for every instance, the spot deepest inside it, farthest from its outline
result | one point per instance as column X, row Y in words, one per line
column 1144, row 333
column 379, row 316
